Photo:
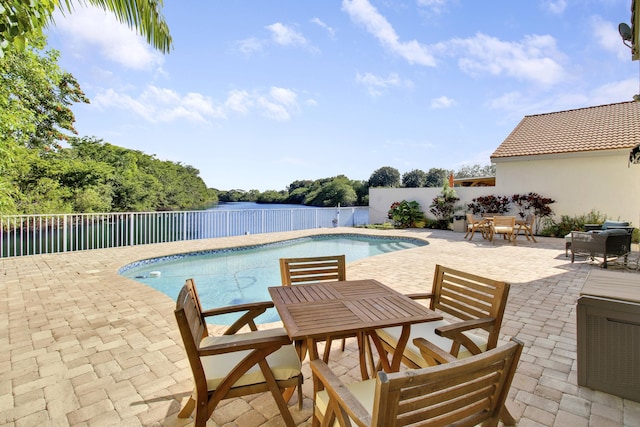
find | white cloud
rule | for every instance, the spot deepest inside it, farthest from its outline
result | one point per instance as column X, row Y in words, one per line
column 283, row 96
column 330, row 30
column 250, row 45
column 607, row 36
column 94, row 28
column 535, row 58
column 279, row 105
column 376, row 85
column 280, row 34
column 286, row 36
column 556, row 7
column 516, row 104
column 159, row 105
column 435, row 5
column 364, row 13
column 239, row 101
column 442, row 102
column 614, row 92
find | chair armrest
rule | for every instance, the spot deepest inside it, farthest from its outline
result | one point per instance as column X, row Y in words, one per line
column 252, row 309
column 455, row 333
column 347, row 403
column 433, row 354
column 465, row 325
column 422, row 295
column 239, row 307
column 274, row 342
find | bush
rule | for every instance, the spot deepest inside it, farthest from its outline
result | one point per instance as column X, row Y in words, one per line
column 568, row 224
column 406, row 214
column 444, row 206
column 489, row 204
column 436, row 224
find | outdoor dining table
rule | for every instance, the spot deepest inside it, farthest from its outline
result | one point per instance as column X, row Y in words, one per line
column 314, row 311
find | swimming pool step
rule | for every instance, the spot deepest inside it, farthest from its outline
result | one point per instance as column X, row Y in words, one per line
column 395, row 246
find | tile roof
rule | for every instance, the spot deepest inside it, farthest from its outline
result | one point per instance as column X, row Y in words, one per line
column 604, row 127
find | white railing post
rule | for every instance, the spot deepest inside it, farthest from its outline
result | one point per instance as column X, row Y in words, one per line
column 132, row 228
column 64, row 233
column 184, row 226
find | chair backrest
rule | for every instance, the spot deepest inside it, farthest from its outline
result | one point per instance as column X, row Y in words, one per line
column 467, row 296
column 504, row 221
column 313, row 269
column 530, row 219
column 471, row 218
column 465, row 392
column 192, row 328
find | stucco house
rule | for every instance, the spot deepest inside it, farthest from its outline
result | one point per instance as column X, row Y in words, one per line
column 579, row 158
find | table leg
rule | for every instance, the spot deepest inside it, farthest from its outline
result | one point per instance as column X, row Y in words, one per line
column 365, row 355
column 396, row 359
column 399, row 351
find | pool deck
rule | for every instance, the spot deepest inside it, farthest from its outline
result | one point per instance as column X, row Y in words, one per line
column 82, row 346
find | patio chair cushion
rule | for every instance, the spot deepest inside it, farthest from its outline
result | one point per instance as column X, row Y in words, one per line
column 364, row 391
column 427, row 331
column 284, row 362
column 614, row 224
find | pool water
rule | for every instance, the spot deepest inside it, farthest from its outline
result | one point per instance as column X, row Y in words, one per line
column 240, row 275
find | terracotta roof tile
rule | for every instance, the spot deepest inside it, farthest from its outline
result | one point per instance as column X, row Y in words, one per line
column 605, row 127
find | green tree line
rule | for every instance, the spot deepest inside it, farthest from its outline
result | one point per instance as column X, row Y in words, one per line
column 46, row 168
column 341, row 190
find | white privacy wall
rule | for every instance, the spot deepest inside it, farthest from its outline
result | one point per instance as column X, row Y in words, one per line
column 579, row 183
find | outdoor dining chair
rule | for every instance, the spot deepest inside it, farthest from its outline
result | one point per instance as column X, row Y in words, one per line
column 525, row 226
column 476, row 224
column 474, row 306
column 504, row 225
column 464, row 392
column 235, row 363
column 315, row 269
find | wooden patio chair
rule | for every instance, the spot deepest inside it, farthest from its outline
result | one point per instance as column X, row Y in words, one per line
column 504, row 225
column 464, row 392
column 526, row 227
column 315, row 269
column 474, row 224
column 474, row 308
column 234, row 364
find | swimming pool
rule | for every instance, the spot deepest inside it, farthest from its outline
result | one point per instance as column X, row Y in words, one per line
column 243, row 274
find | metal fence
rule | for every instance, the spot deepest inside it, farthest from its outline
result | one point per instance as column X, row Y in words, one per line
column 40, row 234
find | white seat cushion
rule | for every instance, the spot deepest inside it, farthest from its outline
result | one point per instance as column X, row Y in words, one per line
column 364, row 391
column 500, row 229
column 284, row 362
column 426, row 330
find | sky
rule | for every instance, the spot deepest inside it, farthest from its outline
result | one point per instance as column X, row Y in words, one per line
column 259, row 94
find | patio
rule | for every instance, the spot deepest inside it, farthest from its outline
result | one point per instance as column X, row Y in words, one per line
column 81, row 345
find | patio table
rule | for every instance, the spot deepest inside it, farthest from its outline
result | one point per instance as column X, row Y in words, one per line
column 312, row 312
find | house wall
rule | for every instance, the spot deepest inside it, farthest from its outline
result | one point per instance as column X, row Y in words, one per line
column 380, row 199
column 579, row 183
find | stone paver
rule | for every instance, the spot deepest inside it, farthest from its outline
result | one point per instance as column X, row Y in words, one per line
column 81, row 345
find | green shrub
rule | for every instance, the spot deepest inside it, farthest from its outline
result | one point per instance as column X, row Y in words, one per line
column 444, row 206
column 406, row 214
column 568, row 224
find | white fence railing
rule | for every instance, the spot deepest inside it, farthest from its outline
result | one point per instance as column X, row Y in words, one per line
column 40, row 234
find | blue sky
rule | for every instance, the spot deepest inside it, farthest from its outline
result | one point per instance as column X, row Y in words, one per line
column 258, row 94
